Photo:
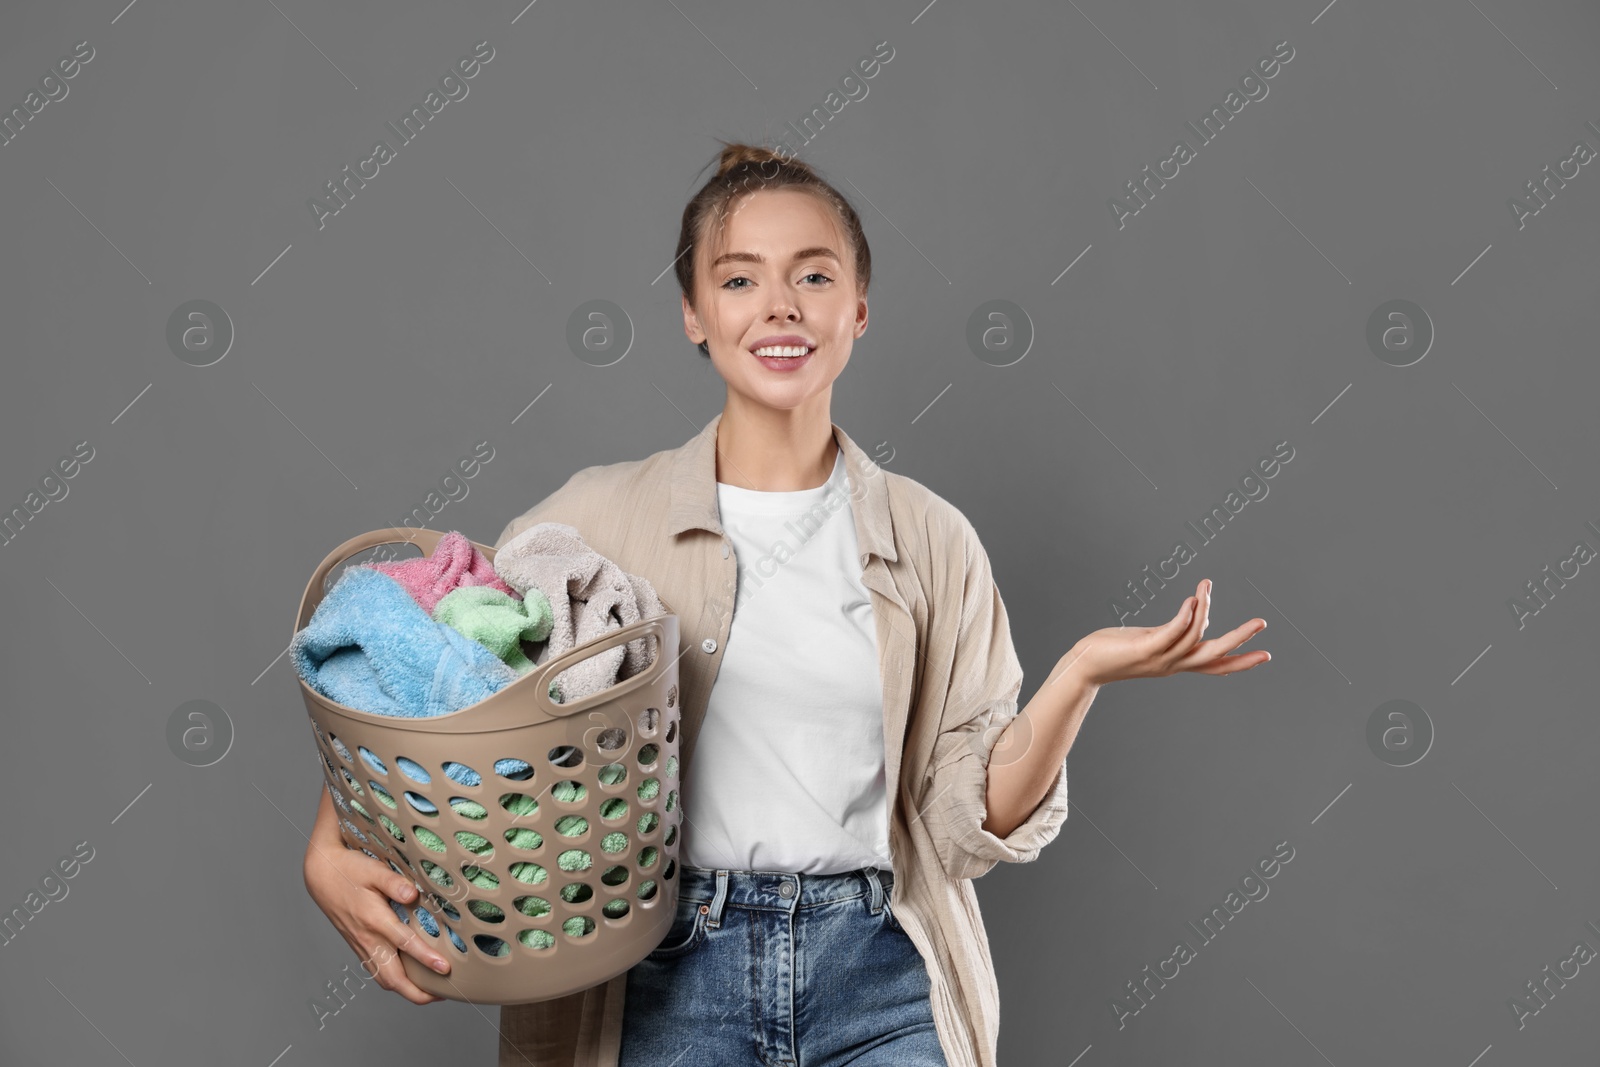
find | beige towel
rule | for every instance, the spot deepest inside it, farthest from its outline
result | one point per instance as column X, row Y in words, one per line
column 589, row 595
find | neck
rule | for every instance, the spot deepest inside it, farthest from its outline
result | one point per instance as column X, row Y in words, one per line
column 775, row 451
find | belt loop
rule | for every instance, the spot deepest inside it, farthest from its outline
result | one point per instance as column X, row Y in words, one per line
column 877, row 888
column 714, row 918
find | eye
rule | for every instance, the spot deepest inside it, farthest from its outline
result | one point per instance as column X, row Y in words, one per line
column 819, row 274
column 729, row 283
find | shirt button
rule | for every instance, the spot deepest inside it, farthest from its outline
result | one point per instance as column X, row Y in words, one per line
column 709, row 644
column 786, row 890
column 724, row 550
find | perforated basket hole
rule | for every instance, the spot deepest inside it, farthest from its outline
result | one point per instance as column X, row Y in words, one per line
column 426, row 920
column 613, row 774
column 569, row 791
column 479, row 877
column 576, row 892
column 396, row 869
column 574, row 859
column 357, row 831
column 446, row 907
column 672, row 799
column 578, row 926
column 476, row 844
column 355, row 786
column 613, row 843
column 428, row 839
column 649, row 721
column 648, row 856
column 572, row 826
column 519, row 804
column 340, row 747
column 383, row 796
column 468, row 809
column 533, row 907
column 611, row 738
column 523, row 838
column 320, row 736
column 672, row 835
column 323, row 756
column 672, row 766
column 672, row 866
column 421, row 804
column 455, row 939
column 413, row 770
column 537, row 938
column 529, row 873
column 371, row 853
column 356, row 804
column 649, row 789
column 461, row 773
column 672, row 731
column 615, row 808
column 514, row 769
column 615, row 909
column 615, row 875
column 437, row 874
column 648, row 754
column 486, row 911
column 647, row 889
column 565, row 756
column 491, row 946
column 648, row 822
column 672, row 695
column 373, row 761
column 400, row 910
column 394, row 831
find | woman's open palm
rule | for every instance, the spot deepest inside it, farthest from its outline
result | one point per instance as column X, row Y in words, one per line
column 1121, row 652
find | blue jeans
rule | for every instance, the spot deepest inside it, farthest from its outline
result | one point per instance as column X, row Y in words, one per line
column 771, row 969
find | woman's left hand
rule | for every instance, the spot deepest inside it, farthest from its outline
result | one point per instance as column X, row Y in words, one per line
column 1122, row 652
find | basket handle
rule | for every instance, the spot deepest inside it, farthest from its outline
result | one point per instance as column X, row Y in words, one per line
column 548, row 671
column 427, row 540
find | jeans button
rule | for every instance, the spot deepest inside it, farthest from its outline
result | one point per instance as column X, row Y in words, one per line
column 786, row 890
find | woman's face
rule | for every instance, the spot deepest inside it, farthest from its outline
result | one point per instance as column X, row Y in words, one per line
column 782, row 269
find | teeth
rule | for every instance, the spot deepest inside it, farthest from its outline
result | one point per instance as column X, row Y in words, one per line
column 781, row 351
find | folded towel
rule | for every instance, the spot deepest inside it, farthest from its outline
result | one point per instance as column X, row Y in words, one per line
column 498, row 620
column 455, row 563
column 369, row 645
column 589, row 597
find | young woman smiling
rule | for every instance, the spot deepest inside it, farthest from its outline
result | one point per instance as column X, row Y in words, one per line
column 852, row 752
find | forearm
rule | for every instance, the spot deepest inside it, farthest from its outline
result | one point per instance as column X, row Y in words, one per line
column 325, row 833
column 1034, row 745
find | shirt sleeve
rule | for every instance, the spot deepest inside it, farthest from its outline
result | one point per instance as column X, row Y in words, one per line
column 986, row 681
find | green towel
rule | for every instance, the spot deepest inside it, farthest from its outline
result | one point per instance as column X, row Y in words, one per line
column 498, row 621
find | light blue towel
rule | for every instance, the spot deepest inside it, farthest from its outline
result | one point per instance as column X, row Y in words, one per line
column 371, row 646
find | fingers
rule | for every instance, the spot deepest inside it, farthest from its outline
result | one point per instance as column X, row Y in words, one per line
column 1234, row 664
column 1204, row 655
column 392, row 972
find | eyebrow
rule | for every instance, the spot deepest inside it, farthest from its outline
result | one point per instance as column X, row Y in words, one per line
column 754, row 257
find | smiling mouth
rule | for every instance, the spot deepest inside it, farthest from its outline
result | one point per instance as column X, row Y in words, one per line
column 782, row 351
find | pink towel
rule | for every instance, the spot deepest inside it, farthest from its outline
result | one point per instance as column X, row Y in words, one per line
column 454, row 564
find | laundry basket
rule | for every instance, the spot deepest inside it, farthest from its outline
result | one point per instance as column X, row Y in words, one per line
column 537, row 882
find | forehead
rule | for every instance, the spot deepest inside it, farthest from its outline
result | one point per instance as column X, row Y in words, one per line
column 775, row 223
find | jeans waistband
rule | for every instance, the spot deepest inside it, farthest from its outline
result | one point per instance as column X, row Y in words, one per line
column 780, row 890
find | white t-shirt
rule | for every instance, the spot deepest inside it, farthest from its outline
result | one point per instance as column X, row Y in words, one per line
column 789, row 760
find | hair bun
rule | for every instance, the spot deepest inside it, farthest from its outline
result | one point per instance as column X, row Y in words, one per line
column 736, row 155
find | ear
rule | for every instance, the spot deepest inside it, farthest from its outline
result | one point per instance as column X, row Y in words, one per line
column 691, row 323
column 861, row 318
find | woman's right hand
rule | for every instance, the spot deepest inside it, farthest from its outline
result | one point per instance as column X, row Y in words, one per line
column 353, row 890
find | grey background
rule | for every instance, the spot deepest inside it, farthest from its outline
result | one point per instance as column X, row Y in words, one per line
column 1229, row 315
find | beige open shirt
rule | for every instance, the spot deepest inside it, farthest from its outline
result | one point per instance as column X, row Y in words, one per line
column 951, row 682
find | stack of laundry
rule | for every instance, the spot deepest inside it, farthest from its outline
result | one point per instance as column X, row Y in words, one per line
column 429, row 636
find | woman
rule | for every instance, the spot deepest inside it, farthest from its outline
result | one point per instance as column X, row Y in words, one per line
column 849, row 696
